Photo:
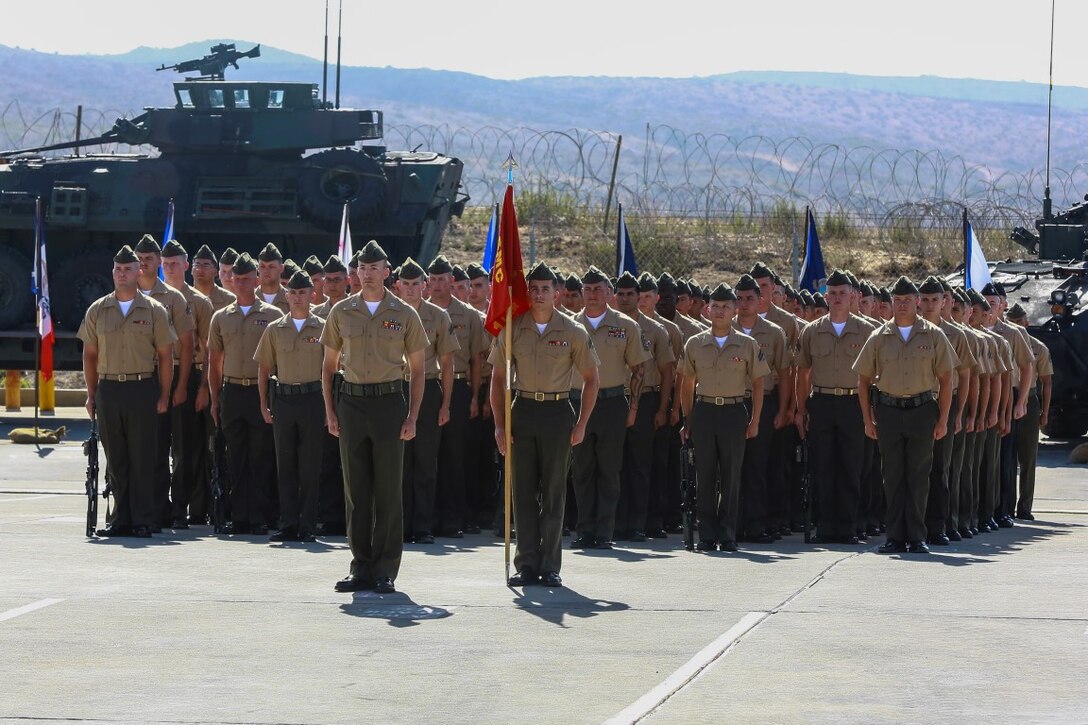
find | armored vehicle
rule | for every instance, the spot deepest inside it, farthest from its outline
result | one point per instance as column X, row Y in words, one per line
column 243, row 163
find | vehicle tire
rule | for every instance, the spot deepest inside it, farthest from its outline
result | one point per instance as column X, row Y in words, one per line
column 81, row 280
column 16, row 297
column 331, row 178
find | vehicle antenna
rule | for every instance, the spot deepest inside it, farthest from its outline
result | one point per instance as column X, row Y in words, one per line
column 325, row 65
column 1049, row 103
column 339, row 34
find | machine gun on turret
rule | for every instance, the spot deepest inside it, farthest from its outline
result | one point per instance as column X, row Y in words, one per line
column 213, row 65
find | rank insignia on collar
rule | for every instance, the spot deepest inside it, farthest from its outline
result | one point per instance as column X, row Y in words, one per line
column 391, row 325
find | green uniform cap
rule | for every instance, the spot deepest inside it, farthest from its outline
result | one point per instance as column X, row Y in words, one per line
column 819, row 301
column 230, row 256
column 931, row 286
column 410, row 269
column 244, row 264
column 541, row 272
column 459, row 273
column 290, row 266
column 884, row 294
column 173, row 248
column 747, row 283
column 990, row 290
column 838, row 278
column 761, row 271
column 573, row 284
column 372, row 253
column 205, row 252
column 270, row 254
column 853, row 279
column 1016, row 312
column 723, row 293
column 666, row 282
column 806, row 298
column 904, row 286
column 313, row 265
column 125, row 255
column 334, row 264
column 646, row 283
column 593, row 276
column 978, row 299
column 626, row 281
column 475, row 271
column 300, row 280
column 440, row 265
column 147, row 244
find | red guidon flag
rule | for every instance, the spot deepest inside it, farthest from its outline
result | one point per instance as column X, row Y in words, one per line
column 508, row 288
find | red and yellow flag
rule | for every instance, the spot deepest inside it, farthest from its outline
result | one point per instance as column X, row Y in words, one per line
column 508, row 288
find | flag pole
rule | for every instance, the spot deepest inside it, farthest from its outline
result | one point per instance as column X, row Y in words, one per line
column 966, row 250
column 38, row 311
column 508, row 459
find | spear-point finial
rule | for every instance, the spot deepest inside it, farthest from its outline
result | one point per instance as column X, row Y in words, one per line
column 510, row 164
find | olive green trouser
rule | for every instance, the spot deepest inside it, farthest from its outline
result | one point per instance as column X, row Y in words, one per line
column 1027, row 451
column 905, row 437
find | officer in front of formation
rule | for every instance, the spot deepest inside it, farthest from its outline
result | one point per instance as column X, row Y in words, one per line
column 181, row 319
column 233, row 335
column 377, row 338
column 127, row 337
column 547, row 347
column 596, row 461
column 828, row 414
column 911, row 362
column 289, row 356
column 719, row 366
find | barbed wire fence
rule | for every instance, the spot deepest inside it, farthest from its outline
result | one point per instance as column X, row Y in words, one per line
column 705, row 201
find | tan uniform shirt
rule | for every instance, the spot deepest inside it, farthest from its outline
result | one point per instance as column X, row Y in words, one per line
column 126, row 343
column 440, row 337
column 1002, row 351
column 1043, row 364
column 962, row 347
column 994, row 347
column 906, row 367
column 655, row 341
column 983, row 365
column 725, row 371
column 324, row 308
column 791, row 324
column 280, row 300
column 237, row 334
column 1021, row 350
column 688, row 327
column 617, row 340
column 542, row 362
column 202, row 310
column 374, row 347
column 219, row 297
column 772, row 343
column 468, row 328
column 294, row 355
column 676, row 337
column 831, row 356
column 177, row 309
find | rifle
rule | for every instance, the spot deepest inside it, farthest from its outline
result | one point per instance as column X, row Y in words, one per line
column 688, row 491
column 217, row 445
column 90, row 449
column 806, row 488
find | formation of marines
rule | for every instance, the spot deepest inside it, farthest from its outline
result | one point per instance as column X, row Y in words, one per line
column 369, row 401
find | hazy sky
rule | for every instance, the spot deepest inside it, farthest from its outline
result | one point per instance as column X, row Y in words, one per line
column 992, row 39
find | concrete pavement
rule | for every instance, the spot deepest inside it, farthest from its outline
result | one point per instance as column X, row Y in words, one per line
column 190, row 628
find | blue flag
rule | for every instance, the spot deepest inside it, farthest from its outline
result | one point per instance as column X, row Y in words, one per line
column 492, row 240
column 168, row 233
column 813, row 276
column 625, row 251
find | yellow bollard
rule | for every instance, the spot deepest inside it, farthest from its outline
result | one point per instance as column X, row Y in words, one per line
column 11, row 391
column 47, row 397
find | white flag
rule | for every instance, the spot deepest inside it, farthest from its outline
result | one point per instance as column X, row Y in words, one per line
column 975, row 270
column 344, row 250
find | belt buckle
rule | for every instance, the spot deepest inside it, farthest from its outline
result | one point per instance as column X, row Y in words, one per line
column 840, row 391
column 245, row 382
column 123, row 377
column 719, row 400
column 538, row 397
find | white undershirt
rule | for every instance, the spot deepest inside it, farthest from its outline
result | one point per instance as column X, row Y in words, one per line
column 746, row 330
column 298, row 324
column 839, row 326
column 905, row 331
column 245, row 309
column 372, row 306
column 721, row 341
column 269, row 297
column 540, row 327
column 145, row 292
column 596, row 320
column 763, row 315
column 125, row 307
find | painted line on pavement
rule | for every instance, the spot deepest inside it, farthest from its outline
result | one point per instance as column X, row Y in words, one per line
column 688, row 671
column 29, row 491
column 709, row 655
column 40, row 604
column 30, row 498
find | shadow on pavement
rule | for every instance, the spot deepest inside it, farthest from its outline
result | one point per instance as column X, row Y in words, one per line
column 985, row 548
column 397, row 609
column 554, row 605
